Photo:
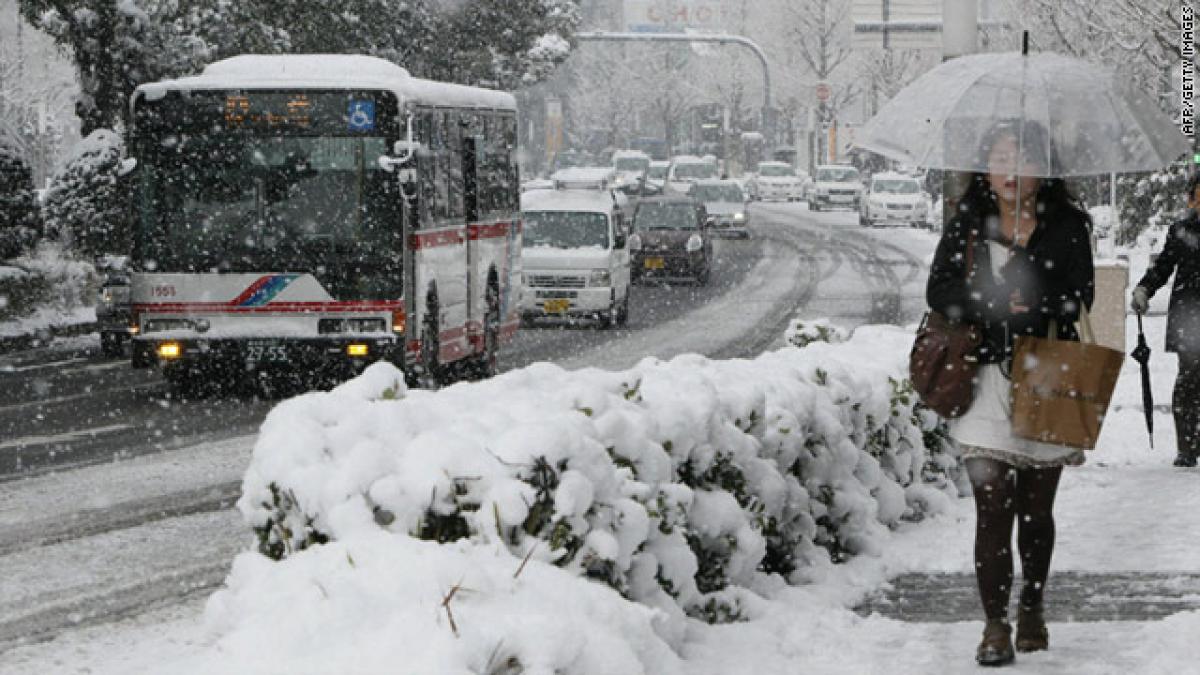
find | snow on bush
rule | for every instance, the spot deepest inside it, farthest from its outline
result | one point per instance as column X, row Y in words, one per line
column 46, row 278
column 803, row 332
column 87, row 202
column 19, row 216
column 687, row 486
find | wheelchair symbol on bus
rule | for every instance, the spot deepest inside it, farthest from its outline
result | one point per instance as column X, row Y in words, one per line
column 361, row 116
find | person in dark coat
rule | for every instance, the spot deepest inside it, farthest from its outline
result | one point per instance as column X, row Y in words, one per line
column 1028, row 268
column 1181, row 257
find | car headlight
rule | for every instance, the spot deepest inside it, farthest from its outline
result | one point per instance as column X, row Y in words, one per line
column 635, row 242
column 600, row 278
column 739, row 217
column 694, row 243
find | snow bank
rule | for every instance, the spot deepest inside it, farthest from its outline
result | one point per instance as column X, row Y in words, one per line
column 690, row 486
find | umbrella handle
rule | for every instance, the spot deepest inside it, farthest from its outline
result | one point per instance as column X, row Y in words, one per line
column 1139, row 318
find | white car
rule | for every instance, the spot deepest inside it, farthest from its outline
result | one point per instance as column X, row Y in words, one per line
column 687, row 169
column 575, row 256
column 656, row 175
column 894, row 198
column 777, row 181
column 836, row 185
column 725, row 204
column 631, row 167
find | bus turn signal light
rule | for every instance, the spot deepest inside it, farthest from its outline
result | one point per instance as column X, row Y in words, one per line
column 169, row 350
column 356, row 349
column 398, row 322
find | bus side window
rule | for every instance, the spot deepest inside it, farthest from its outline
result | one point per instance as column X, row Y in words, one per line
column 452, row 165
column 427, row 197
column 508, row 142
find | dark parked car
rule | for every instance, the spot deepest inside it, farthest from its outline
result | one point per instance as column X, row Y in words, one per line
column 670, row 240
column 112, row 307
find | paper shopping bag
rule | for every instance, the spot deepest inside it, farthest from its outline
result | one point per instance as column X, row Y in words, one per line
column 1061, row 390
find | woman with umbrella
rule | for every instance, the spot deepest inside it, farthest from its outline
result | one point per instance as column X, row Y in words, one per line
column 1030, row 273
column 1019, row 123
column 1181, row 257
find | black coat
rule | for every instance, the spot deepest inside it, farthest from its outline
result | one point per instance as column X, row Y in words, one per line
column 1053, row 273
column 1180, row 256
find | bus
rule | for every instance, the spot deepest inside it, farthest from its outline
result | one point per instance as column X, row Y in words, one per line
column 316, row 213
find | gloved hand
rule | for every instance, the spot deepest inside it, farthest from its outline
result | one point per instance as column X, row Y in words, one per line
column 1141, row 300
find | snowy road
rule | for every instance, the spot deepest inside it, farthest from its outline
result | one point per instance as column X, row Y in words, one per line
column 116, row 500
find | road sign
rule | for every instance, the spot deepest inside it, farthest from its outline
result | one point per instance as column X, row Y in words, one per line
column 824, row 91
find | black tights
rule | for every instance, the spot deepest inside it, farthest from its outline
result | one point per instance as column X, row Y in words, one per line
column 1004, row 494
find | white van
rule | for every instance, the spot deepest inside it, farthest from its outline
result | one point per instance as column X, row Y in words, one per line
column 687, row 169
column 575, row 256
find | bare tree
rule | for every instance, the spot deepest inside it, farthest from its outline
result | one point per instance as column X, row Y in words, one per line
column 1140, row 38
column 600, row 97
column 819, row 33
column 885, row 72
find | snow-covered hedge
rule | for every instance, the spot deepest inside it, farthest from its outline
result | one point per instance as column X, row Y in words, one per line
column 87, row 204
column 684, row 485
column 45, row 278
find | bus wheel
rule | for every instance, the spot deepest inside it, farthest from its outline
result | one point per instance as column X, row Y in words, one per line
column 431, row 375
column 487, row 364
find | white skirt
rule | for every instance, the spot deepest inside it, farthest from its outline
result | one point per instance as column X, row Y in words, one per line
column 986, row 428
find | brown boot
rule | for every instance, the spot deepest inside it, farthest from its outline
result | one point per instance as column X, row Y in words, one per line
column 996, row 649
column 1032, row 634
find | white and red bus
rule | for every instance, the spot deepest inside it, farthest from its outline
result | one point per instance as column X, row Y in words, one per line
column 319, row 212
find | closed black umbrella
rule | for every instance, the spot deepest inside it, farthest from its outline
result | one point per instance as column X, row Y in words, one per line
column 1141, row 354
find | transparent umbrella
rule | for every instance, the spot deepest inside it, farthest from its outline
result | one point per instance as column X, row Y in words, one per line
column 1096, row 122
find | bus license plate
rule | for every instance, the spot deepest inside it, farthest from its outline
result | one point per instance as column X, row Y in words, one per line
column 556, row 306
column 266, row 352
column 655, row 263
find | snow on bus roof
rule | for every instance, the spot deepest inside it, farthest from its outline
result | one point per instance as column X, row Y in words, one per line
column 596, row 201
column 331, row 71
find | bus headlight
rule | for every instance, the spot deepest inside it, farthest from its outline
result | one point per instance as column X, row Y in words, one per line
column 169, row 350
column 600, row 278
column 739, row 217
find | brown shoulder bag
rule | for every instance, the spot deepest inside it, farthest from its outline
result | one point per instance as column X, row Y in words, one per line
column 943, row 360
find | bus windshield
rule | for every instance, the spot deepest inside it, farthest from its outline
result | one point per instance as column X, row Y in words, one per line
column 254, row 203
column 565, row 229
